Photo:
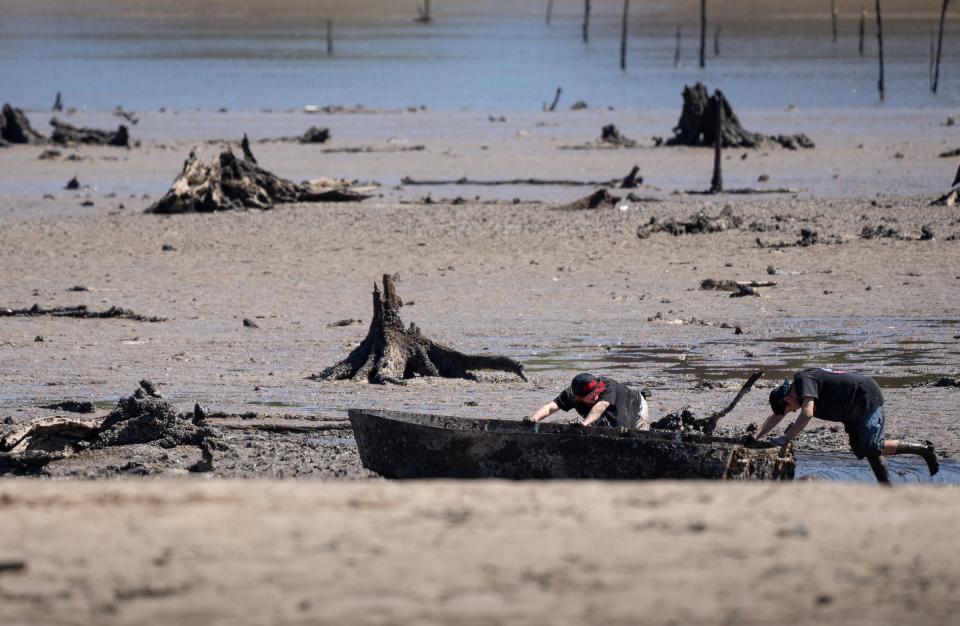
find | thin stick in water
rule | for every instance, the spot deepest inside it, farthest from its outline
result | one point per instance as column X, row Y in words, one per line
column 833, row 18
column 936, row 71
column 716, row 184
column 863, row 27
column 716, row 42
column 880, row 86
column 329, row 37
column 549, row 11
column 586, row 21
column 676, row 50
column 703, row 31
column 623, row 35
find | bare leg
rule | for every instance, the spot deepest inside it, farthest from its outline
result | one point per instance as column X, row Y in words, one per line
column 925, row 450
column 879, row 466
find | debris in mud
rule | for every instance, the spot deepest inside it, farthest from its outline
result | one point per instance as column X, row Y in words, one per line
column 807, row 238
column 737, row 289
column 73, row 183
column 391, row 353
column 71, row 406
column 685, row 420
column 64, row 134
column 249, row 323
column 230, row 183
column 12, row 565
column 697, row 124
column 80, row 311
column 562, row 182
column 698, row 224
column 633, row 179
column 579, row 105
column 598, row 199
column 16, row 128
column 880, row 232
column 315, row 134
column 49, row 155
column 344, row 322
column 144, row 417
column 947, row 381
column 610, row 139
column 950, row 153
column 950, row 198
column 371, row 149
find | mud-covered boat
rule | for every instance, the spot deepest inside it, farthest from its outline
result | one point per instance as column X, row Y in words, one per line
column 412, row 445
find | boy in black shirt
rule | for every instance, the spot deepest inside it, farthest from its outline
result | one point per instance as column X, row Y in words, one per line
column 598, row 398
column 851, row 399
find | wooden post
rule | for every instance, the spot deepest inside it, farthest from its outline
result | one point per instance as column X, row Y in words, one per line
column 623, row 35
column 936, row 71
column 676, row 50
column 716, row 42
column 716, row 184
column 863, row 27
column 703, row 30
column 586, row 21
column 932, row 55
column 833, row 18
column 549, row 11
column 329, row 37
column 880, row 49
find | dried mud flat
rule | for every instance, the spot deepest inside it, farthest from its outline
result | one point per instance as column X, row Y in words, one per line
column 294, row 552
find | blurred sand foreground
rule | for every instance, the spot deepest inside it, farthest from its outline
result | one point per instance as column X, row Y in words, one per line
column 267, row 552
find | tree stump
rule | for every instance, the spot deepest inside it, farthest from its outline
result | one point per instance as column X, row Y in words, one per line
column 15, row 127
column 698, row 124
column 231, row 183
column 391, row 353
column 65, row 133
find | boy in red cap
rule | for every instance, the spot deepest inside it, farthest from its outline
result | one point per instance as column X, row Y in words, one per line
column 851, row 399
column 598, row 398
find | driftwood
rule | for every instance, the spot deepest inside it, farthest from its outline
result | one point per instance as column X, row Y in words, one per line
column 370, row 149
column 698, row 124
column 391, row 353
column 556, row 99
column 66, row 134
column 737, row 289
column 406, row 180
column 80, row 311
column 598, row 199
column 15, row 128
column 685, row 421
column 229, row 183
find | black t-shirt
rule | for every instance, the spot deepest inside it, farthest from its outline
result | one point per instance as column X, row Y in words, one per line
column 838, row 396
column 624, row 403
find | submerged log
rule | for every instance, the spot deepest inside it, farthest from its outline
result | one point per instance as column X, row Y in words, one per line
column 15, row 128
column 64, row 133
column 698, row 124
column 229, row 183
column 391, row 353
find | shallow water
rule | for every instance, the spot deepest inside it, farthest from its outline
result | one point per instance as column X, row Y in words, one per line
column 843, row 466
column 490, row 55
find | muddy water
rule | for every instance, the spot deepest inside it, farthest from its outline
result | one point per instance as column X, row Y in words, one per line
column 845, row 467
column 897, row 352
column 476, row 54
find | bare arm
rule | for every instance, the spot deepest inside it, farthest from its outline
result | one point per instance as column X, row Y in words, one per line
column 768, row 425
column 595, row 412
column 806, row 413
column 547, row 409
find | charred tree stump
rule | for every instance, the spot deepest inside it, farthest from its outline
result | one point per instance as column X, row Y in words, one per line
column 230, row 183
column 247, row 153
column 698, row 124
column 391, row 353
column 880, row 86
column 716, row 184
column 936, row 71
column 716, row 41
column 66, row 134
column 423, row 13
column 15, row 127
column 833, row 18
column 329, row 37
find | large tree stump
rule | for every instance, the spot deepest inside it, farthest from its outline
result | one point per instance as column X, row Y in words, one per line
column 15, row 127
column 698, row 124
column 391, row 353
column 64, row 133
column 230, row 183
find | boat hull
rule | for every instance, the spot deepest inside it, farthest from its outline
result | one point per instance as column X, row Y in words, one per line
column 409, row 445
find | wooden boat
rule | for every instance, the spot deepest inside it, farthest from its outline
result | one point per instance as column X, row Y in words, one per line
column 412, row 445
